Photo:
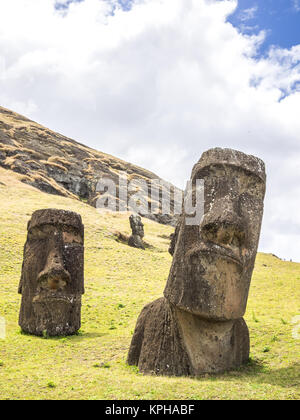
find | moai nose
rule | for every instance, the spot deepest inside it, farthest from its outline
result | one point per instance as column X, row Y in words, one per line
column 54, row 276
column 222, row 224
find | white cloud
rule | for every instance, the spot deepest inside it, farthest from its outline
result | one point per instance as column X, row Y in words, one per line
column 158, row 85
column 248, row 14
column 296, row 4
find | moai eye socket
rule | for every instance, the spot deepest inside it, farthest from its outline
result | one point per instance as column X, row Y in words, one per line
column 72, row 237
column 37, row 234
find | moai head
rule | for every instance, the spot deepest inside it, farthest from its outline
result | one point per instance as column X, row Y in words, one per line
column 136, row 225
column 52, row 274
column 214, row 259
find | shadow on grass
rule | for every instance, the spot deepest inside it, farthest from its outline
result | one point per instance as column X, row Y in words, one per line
column 80, row 336
column 255, row 371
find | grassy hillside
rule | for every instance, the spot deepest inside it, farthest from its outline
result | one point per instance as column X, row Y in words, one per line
column 119, row 281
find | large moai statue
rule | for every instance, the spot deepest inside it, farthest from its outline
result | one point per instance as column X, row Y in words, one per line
column 52, row 274
column 198, row 326
column 137, row 228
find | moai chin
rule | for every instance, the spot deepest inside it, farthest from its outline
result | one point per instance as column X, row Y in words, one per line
column 52, row 273
column 198, row 326
column 137, row 227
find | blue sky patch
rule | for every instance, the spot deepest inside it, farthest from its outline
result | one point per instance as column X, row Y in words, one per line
column 64, row 4
column 279, row 18
column 126, row 4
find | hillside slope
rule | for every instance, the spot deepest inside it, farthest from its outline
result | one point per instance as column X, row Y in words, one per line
column 58, row 165
column 119, row 281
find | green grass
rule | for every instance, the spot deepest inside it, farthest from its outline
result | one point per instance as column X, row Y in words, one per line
column 119, row 280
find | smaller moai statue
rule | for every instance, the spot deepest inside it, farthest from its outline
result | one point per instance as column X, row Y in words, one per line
column 52, row 274
column 137, row 227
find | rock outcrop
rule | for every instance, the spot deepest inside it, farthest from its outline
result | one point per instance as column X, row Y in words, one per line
column 58, row 165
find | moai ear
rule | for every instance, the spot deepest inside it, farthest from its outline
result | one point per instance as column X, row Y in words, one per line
column 21, row 281
column 174, row 236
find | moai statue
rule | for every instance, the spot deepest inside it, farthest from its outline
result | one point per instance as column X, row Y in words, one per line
column 52, row 274
column 198, row 326
column 137, row 227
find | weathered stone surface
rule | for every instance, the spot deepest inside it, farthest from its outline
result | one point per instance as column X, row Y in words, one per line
column 213, row 263
column 157, row 345
column 137, row 228
column 172, row 342
column 207, row 289
column 52, row 273
column 173, row 238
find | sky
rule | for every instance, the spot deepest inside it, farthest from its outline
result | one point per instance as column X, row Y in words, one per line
column 158, row 82
column 280, row 19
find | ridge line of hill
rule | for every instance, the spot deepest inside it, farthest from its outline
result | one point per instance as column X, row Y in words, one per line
column 59, row 165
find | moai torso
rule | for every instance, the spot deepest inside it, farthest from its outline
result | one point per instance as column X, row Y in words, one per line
column 52, row 274
column 207, row 288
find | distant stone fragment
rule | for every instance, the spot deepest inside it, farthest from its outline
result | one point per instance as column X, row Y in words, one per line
column 52, row 274
column 137, row 227
column 198, row 326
